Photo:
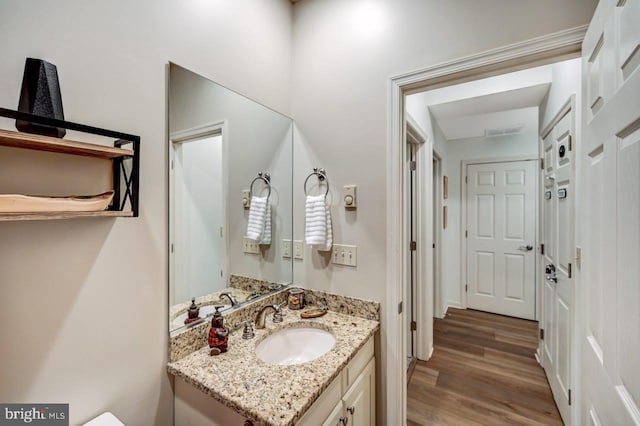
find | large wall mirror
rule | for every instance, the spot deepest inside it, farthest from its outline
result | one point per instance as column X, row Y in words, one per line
column 230, row 198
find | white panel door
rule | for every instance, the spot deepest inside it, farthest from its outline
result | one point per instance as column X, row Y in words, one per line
column 558, row 239
column 610, row 289
column 500, row 238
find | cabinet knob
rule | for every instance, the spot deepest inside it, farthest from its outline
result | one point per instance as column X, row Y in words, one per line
column 344, row 420
column 351, row 410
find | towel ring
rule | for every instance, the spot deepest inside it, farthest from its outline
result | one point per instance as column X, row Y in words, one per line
column 266, row 178
column 322, row 176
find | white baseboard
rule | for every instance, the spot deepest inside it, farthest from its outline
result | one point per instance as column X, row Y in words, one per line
column 537, row 357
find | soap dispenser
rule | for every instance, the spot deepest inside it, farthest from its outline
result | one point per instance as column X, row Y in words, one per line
column 218, row 333
column 193, row 312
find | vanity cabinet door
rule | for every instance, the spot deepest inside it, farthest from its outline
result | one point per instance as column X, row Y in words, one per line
column 326, row 403
column 336, row 416
column 358, row 401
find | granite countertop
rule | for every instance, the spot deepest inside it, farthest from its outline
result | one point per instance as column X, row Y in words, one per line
column 272, row 394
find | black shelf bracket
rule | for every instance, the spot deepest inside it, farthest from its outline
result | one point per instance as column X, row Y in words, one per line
column 126, row 183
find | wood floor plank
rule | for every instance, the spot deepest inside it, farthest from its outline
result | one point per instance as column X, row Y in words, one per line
column 482, row 372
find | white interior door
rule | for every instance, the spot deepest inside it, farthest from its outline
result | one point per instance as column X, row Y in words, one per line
column 501, row 215
column 199, row 244
column 610, row 289
column 558, row 239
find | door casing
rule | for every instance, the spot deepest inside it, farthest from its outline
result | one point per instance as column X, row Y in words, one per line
column 538, row 51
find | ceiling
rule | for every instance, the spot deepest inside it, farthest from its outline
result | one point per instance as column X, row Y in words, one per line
column 496, row 114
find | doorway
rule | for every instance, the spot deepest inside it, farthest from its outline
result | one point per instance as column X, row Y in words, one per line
column 197, row 246
column 507, row 165
column 436, row 233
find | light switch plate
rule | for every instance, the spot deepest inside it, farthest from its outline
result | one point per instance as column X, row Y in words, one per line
column 286, row 249
column 251, row 246
column 342, row 254
column 298, row 249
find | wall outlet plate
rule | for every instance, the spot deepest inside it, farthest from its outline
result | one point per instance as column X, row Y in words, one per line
column 342, row 254
column 286, row 249
column 298, row 249
column 251, row 246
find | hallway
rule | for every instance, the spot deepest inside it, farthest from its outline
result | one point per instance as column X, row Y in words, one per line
column 482, row 372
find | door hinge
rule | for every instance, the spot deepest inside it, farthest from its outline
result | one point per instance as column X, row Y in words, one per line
column 221, row 272
column 541, row 248
column 434, row 245
column 542, row 334
column 569, row 396
column 466, row 179
column 466, row 234
column 171, row 164
column 466, row 288
column 171, row 247
column 412, row 165
column 542, row 163
column 570, row 142
column 414, row 326
column 413, row 246
column 400, row 307
column 570, row 270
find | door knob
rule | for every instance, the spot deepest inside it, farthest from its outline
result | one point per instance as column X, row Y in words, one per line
column 526, row 248
column 351, row 410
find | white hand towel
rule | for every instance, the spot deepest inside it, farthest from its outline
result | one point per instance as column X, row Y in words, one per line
column 257, row 214
column 266, row 234
column 318, row 228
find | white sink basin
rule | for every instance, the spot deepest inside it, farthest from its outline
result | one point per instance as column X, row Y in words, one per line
column 292, row 346
column 205, row 311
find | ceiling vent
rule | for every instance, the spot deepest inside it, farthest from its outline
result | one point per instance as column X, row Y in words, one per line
column 504, row 131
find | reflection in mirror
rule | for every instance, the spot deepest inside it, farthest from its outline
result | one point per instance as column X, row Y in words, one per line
column 230, row 198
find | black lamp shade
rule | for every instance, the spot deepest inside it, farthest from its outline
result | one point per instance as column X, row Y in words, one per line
column 40, row 95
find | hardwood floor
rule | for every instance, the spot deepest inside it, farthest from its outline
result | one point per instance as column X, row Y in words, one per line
column 482, row 372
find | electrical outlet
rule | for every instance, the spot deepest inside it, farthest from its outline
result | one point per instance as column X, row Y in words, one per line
column 286, row 249
column 298, row 249
column 342, row 254
column 251, row 246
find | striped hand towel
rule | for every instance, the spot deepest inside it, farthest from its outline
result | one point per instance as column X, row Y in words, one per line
column 257, row 216
column 318, row 229
column 266, row 233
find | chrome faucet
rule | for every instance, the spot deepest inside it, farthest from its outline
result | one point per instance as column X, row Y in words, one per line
column 277, row 315
column 229, row 296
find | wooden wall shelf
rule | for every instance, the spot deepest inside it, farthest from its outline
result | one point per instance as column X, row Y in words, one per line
column 61, row 215
column 125, row 180
column 64, row 146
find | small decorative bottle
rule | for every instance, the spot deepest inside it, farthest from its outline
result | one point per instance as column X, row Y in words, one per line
column 193, row 312
column 218, row 333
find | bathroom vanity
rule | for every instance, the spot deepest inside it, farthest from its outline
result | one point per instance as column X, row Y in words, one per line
column 335, row 388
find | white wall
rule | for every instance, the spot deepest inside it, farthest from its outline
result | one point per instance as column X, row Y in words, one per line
column 521, row 145
column 343, row 55
column 83, row 303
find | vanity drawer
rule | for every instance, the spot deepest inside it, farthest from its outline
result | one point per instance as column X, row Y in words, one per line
column 357, row 364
